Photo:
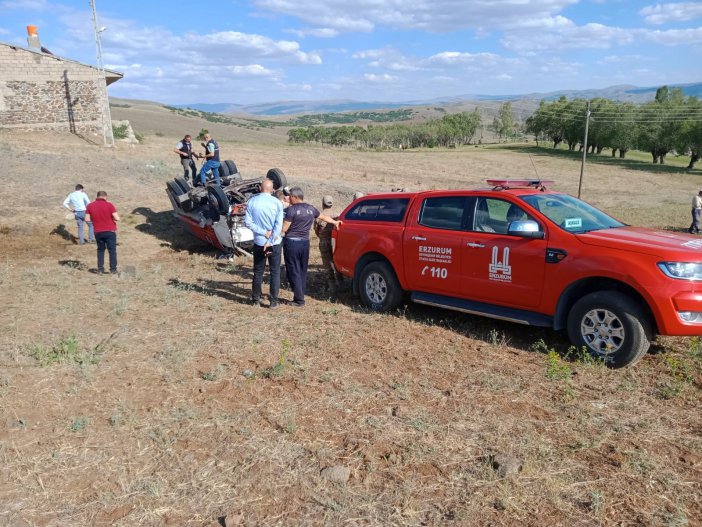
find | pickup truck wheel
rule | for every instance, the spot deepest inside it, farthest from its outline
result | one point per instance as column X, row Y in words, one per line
column 175, row 188
column 611, row 326
column 380, row 290
column 182, row 183
column 231, row 166
column 277, row 177
column 218, row 199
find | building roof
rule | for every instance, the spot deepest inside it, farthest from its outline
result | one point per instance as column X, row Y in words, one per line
column 110, row 75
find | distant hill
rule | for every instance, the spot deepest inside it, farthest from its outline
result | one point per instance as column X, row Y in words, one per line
column 622, row 93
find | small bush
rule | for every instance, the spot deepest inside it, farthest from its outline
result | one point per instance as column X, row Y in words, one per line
column 119, row 132
column 65, row 351
column 556, row 369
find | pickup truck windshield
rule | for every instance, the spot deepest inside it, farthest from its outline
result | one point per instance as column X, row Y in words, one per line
column 571, row 214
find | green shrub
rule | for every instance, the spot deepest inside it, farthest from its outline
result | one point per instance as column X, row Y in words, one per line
column 119, row 132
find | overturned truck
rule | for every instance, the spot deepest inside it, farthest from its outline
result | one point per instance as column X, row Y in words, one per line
column 214, row 213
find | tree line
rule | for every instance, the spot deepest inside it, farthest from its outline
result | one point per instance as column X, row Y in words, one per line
column 671, row 122
column 449, row 130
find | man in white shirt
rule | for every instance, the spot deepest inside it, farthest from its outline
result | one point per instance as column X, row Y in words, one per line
column 696, row 210
column 76, row 202
column 264, row 216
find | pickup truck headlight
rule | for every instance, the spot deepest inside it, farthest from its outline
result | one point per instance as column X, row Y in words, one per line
column 682, row 270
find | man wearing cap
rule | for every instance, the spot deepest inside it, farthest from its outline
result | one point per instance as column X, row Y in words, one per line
column 299, row 217
column 696, row 210
column 323, row 230
column 264, row 216
column 211, row 160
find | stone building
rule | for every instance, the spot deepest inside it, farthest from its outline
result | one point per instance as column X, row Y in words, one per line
column 40, row 91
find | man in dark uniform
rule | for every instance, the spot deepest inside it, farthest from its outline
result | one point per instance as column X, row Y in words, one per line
column 185, row 150
column 299, row 217
column 323, row 230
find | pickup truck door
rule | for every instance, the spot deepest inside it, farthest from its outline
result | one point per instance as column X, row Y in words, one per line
column 433, row 245
column 501, row 268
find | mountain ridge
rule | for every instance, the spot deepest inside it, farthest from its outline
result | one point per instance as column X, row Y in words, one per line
column 620, row 93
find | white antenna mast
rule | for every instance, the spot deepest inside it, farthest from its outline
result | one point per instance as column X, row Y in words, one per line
column 107, row 136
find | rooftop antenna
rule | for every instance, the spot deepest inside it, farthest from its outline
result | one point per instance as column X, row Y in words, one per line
column 534, row 167
column 107, row 135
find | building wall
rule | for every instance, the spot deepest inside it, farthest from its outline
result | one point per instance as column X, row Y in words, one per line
column 44, row 92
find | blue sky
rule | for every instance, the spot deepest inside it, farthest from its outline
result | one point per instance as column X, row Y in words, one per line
column 255, row 51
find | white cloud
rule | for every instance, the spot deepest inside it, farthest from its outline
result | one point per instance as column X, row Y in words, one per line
column 621, row 59
column 675, row 37
column 429, row 15
column 251, row 70
column 588, row 36
column 25, row 5
column 384, row 78
column 322, row 32
column 672, row 12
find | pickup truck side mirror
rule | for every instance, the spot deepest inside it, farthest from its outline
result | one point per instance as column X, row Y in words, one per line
column 525, row 229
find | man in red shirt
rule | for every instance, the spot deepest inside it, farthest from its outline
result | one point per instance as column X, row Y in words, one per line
column 104, row 216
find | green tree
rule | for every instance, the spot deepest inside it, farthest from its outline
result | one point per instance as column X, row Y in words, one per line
column 506, row 121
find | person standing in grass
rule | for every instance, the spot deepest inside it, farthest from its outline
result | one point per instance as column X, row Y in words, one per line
column 76, row 202
column 211, row 160
column 264, row 216
column 299, row 217
column 696, row 211
column 104, row 216
column 185, row 150
column 323, row 230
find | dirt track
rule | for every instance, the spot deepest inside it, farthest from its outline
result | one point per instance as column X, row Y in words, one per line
column 152, row 421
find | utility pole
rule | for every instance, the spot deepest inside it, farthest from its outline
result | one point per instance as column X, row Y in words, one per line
column 107, row 136
column 582, row 163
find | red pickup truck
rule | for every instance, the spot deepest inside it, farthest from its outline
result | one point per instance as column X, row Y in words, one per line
column 520, row 252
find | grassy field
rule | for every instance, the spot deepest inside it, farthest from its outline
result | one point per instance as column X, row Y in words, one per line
column 160, row 397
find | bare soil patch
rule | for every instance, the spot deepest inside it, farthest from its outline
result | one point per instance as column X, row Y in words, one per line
column 160, row 397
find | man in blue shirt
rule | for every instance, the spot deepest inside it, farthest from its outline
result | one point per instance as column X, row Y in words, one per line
column 76, row 202
column 264, row 216
column 211, row 160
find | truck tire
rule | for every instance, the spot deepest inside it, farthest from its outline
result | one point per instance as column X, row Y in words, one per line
column 174, row 188
column 185, row 186
column 611, row 326
column 277, row 177
column 218, row 199
column 231, row 166
column 379, row 288
column 223, row 170
column 182, row 183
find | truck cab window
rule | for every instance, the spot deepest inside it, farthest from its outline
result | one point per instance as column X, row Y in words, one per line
column 446, row 212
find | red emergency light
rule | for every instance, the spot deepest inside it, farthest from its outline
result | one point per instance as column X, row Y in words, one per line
column 502, row 184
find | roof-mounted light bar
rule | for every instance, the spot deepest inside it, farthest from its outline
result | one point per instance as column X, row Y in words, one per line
column 504, row 184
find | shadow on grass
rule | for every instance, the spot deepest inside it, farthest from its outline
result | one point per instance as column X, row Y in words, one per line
column 62, row 231
column 164, row 226
column 73, row 264
column 231, row 291
column 601, row 159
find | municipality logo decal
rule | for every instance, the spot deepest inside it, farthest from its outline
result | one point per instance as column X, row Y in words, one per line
column 500, row 271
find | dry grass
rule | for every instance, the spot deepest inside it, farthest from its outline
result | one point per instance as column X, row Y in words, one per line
column 180, row 404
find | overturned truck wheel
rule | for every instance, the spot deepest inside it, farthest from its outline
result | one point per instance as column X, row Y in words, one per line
column 277, row 177
column 232, row 167
column 218, row 199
